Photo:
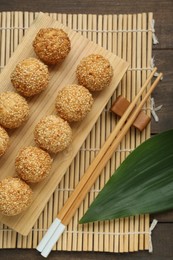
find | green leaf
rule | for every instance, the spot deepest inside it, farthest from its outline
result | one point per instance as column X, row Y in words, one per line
column 142, row 184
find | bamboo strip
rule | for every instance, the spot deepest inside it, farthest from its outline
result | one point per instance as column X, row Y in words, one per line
column 3, row 42
column 143, row 134
column 119, row 90
column 110, row 224
column 7, row 38
column 12, row 24
column 133, row 132
column 92, row 23
column 113, row 123
column 124, row 143
column 73, row 171
column 129, row 78
column 79, row 237
column 139, row 82
column 101, row 135
column 105, row 132
column 115, row 161
column 148, row 130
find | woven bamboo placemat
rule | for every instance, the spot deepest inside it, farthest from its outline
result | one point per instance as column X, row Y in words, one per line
column 130, row 37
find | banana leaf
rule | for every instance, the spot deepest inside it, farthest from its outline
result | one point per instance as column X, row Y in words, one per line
column 142, row 184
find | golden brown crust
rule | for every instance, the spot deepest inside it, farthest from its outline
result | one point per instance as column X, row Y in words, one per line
column 4, row 141
column 73, row 102
column 53, row 134
column 15, row 196
column 14, row 109
column 30, row 77
column 94, row 72
column 33, row 164
column 51, row 45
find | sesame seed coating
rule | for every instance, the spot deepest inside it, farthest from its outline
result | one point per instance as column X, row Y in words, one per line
column 14, row 109
column 51, row 45
column 15, row 196
column 94, row 72
column 73, row 102
column 4, row 141
column 33, row 164
column 53, row 134
column 30, row 77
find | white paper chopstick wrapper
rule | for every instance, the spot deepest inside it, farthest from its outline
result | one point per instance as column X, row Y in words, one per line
column 51, row 237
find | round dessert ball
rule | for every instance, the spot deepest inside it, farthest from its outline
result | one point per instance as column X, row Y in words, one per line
column 51, row 45
column 94, row 72
column 73, row 102
column 53, row 134
column 15, row 196
column 33, row 164
column 4, row 141
column 14, row 110
column 30, row 77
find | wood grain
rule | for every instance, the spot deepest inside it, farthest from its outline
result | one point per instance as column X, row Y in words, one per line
column 43, row 105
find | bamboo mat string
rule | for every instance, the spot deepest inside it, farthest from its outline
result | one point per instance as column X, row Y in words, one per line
column 130, row 37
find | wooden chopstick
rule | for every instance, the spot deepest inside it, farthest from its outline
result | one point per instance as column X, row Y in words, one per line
column 66, row 213
column 73, row 203
column 103, row 150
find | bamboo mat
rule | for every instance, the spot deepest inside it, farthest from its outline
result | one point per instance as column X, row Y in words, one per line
column 129, row 37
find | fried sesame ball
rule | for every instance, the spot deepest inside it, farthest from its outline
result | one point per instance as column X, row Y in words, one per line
column 73, row 102
column 14, row 110
column 51, row 45
column 94, row 72
column 33, row 164
column 15, row 196
column 30, row 77
column 4, row 141
column 53, row 134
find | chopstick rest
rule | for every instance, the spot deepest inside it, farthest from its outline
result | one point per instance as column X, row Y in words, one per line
column 119, row 107
column 92, row 173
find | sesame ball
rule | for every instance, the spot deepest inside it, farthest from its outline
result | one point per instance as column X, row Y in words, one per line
column 94, row 72
column 53, row 134
column 4, row 141
column 14, row 110
column 33, row 164
column 15, row 196
column 30, row 77
column 51, row 45
column 73, row 102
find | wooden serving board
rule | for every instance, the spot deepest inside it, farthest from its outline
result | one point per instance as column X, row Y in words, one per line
column 42, row 105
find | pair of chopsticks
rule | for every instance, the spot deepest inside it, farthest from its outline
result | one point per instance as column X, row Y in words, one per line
column 66, row 213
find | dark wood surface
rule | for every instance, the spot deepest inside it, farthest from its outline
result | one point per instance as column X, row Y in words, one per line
column 163, row 52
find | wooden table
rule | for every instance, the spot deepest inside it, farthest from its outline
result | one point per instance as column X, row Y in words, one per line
column 162, row 236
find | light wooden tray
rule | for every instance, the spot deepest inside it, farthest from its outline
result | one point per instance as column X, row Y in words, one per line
column 44, row 104
column 129, row 37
